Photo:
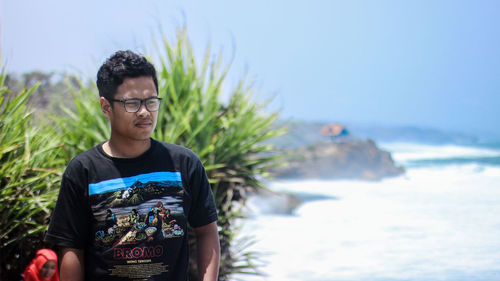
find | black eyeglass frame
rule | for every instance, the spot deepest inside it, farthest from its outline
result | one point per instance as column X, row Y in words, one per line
column 142, row 101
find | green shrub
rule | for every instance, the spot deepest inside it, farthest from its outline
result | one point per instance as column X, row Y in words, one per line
column 229, row 138
column 30, row 167
column 82, row 124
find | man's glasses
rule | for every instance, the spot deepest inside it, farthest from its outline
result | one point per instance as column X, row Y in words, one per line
column 133, row 105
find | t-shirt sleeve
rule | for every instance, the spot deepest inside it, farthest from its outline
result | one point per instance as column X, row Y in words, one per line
column 70, row 219
column 203, row 210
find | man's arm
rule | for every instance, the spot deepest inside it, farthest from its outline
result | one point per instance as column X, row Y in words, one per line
column 207, row 241
column 71, row 264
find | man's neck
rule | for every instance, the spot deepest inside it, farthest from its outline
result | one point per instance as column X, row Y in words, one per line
column 126, row 149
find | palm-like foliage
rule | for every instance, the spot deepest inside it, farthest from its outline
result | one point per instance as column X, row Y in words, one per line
column 228, row 138
column 84, row 126
column 29, row 170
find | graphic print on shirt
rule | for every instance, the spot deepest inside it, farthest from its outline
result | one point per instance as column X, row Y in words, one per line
column 145, row 208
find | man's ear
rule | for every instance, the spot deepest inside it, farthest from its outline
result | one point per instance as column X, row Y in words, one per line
column 105, row 106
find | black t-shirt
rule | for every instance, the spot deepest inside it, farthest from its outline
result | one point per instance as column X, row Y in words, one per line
column 131, row 215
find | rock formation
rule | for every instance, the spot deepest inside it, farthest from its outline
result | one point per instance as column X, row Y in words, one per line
column 352, row 159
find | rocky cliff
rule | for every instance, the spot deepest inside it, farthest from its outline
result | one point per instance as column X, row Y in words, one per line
column 351, row 159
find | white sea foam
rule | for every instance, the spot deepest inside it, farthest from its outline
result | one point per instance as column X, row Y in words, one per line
column 403, row 152
column 439, row 223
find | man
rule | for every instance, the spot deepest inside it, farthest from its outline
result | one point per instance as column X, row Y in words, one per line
column 133, row 171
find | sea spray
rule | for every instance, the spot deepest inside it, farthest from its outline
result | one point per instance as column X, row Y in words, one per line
column 434, row 223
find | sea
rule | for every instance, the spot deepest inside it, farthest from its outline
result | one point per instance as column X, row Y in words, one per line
column 438, row 221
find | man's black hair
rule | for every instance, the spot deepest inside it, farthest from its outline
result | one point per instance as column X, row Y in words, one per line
column 121, row 65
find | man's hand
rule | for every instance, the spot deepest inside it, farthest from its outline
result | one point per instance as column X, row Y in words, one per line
column 207, row 238
column 71, row 264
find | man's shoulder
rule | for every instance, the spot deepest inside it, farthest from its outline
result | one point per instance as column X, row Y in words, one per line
column 176, row 150
column 85, row 157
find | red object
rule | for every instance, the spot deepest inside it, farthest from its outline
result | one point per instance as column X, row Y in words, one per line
column 332, row 130
column 34, row 271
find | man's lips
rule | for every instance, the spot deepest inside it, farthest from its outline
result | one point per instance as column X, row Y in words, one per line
column 143, row 123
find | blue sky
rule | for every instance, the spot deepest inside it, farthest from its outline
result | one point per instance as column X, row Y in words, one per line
column 426, row 63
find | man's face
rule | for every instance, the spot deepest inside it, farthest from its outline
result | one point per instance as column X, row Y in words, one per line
column 128, row 126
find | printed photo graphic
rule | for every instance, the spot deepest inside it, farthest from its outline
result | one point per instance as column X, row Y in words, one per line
column 143, row 208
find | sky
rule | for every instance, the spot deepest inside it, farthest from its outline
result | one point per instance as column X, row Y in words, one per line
column 427, row 63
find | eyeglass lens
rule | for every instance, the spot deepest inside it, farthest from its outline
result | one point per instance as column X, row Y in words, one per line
column 151, row 104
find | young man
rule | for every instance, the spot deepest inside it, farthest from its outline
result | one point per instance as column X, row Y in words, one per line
column 132, row 171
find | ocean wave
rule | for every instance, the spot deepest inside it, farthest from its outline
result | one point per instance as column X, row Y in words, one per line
column 433, row 223
column 416, row 155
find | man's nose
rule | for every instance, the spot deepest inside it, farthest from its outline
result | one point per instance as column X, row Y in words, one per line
column 142, row 110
